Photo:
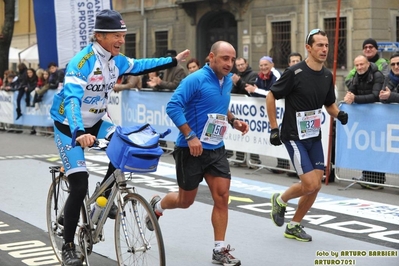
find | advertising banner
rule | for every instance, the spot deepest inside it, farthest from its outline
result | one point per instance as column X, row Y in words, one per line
column 6, row 107
column 370, row 140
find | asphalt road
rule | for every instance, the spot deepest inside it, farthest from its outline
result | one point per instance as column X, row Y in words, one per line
column 340, row 221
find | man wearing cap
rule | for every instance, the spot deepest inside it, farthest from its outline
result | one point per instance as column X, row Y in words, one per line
column 306, row 87
column 370, row 51
column 78, row 109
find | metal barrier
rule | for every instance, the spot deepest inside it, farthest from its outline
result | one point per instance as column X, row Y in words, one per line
column 356, row 177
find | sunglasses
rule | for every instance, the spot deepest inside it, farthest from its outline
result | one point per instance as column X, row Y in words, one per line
column 311, row 33
column 393, row 64
column 368, row 47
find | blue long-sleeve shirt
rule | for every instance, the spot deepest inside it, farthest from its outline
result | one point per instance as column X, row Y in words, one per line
column 198, row 95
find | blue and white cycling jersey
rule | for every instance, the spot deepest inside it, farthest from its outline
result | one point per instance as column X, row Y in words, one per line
column 89, row 78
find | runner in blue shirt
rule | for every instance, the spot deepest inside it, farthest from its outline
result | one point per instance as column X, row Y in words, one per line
column 199, row 108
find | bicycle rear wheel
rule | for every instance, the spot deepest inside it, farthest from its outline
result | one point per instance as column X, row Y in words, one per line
column 134, row 243
column 57, row 196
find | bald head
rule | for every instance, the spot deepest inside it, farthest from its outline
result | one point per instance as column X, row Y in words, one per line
column 220, row 45
column 362, row 64
column 221, row 58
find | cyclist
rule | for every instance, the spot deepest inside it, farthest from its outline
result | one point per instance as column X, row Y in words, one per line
column 79, row 107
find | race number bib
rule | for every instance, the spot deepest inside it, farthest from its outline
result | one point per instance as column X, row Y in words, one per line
column 214, row 129
column 308, row 123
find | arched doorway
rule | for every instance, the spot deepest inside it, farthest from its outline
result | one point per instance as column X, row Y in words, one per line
column 215, row 26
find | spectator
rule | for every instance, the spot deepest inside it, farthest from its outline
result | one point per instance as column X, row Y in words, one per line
column 128, row 82
column 12, row 83
column 306, row 88
column 22, row 80
column 366, row 84
column 365, row 88
column 31, row 85
column 169, row 81
column 370, row 51
column 201, row 154
column 41, row 89
column 171, row 77
column 193, row 65
column 245, row 75
column 7, row 81
column 265, row 80
column 56, row 76
column 390, row 89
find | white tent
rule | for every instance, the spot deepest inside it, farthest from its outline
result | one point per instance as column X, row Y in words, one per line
column 30, row 54
column 13, row 56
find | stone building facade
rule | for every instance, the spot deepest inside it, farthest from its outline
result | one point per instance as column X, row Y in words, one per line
column 257, row 27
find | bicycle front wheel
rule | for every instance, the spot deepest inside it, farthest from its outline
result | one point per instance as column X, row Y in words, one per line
column 136, row 245
column 56, row 198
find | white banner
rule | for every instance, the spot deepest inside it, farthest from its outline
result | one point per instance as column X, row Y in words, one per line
column 6, row 107
column 253, row 111
column 75, row 25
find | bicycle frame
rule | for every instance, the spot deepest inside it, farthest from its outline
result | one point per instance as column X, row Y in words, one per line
column 117, row 188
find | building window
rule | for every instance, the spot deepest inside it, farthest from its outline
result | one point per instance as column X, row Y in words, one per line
column 161, row 43
column 329, row 27
column 130, row 45
column 281, row 43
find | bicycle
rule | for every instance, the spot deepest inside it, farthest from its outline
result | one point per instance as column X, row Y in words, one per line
column 134, row 243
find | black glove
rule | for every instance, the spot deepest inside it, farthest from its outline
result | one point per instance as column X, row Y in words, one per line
column 342, row 117
column 275, row 137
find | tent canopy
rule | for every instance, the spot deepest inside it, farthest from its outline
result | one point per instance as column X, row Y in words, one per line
column 29, row 54
column 13, row 55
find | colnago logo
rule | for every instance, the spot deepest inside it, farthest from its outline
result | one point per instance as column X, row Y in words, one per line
column 100, row 87
column 4, row 98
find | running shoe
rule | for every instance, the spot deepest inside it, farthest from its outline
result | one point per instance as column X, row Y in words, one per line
column 296, row 232
column 224, row 257
column 278, row 210
column 153, row 202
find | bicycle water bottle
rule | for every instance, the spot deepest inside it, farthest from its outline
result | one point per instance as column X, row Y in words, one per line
column 98, row 208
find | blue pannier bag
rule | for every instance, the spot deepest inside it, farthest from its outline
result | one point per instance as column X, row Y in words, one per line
column 135, row 148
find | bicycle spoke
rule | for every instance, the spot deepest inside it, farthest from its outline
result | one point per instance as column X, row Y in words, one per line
column 135, row 244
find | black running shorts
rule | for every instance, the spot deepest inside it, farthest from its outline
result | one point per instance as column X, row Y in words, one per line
column 190, row 170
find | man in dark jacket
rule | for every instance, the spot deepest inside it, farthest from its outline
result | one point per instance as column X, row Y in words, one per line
column 365, row 88
column 244, row 76
column 171, row 77
column 366, row 83
column 390, row 89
